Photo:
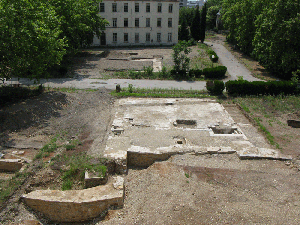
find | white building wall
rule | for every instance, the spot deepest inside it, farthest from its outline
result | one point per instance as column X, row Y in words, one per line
column 142, row 29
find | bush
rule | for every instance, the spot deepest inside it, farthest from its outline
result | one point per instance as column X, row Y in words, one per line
column 212, row 55
column 195, row 73
column 243, row 87
column 215, row 87
column 215, row 72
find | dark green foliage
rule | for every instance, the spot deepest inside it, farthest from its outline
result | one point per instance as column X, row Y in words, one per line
column 212, row 16
column 183, row 32
column 267, row 30
column 195, row 73
column 243, row 87
column 195, row 27
column 14, row 94
column 186, row 15
column 215, row 72
column 180, row 58
column 215, row 87
column 212, row 55
column 203, row 23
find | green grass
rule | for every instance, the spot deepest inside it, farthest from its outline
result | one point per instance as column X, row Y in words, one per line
column 76, row 166
column 71, row 90
column 160, row 93
column 7, row 187
column 265, row 109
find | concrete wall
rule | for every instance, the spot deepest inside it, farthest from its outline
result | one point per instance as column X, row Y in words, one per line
column 164, row 30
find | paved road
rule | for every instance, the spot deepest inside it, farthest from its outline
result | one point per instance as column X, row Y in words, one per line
column 235, row 68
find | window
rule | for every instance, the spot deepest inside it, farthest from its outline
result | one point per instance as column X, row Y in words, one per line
column 125, row 22
column 102, row 8
column 137, row 7
column 170, row 8
column 158, row 37
column 147, row 22
column 147, row 37
column 159, row 7
column 137, row 22
column 158, row 22
column 169, row 37
column 115, row 37
column 114, row 22
column 148, row 7
column 125, row 7
column 114, row 7
column 170, row 22
column 137, row 38
column 125, row 37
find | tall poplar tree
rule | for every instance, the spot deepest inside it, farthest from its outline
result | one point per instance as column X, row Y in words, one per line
column 203, row 24
column 195, row 27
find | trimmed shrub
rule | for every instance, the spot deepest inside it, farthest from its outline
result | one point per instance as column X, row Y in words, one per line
column 215, row 72
column 195, row 73
column 243, row 87
column 212, row 55
column 215, row 87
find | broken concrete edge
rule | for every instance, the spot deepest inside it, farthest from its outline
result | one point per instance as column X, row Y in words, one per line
column 10, row 165
column 77, row 205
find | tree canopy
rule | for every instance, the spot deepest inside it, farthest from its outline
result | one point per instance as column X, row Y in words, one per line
column 267, row 30
column 35, row 35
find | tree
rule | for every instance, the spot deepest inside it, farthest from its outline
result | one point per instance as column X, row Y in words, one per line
column 203, row 23
column 183, row 33
column 276, row 41
column 80, row 21
column 180, row 58
column 195, row 27
column 186, row 14
column 30, row 38
column 212, row 16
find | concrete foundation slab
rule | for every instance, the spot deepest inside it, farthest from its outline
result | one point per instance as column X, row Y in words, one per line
column 149, row 130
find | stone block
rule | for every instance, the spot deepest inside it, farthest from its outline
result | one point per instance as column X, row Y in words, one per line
column 77, row 205
column 94, row 179
column 10, row 165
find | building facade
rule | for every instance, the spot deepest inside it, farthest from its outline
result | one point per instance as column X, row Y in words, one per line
column 133, row 22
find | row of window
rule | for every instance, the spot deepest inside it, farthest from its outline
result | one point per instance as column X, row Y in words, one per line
column 136, row 7
column 137, row 22
column 137, row 37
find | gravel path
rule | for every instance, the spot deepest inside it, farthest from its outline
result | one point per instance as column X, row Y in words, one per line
column 234, row 67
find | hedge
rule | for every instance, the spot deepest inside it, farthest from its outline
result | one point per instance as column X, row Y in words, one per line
column 215, row 87
column 215, row 72
column 243, row 87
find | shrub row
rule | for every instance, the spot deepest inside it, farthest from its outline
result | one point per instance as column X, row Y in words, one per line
column 215, row 72
column 211, row 73
column 212, row 55
column 243, row 87
column 215, row 87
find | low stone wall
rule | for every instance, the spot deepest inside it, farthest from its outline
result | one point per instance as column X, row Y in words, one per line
column 77, row 205
column 10, row 165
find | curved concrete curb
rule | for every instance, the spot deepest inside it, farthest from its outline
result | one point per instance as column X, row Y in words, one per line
column 77, row 205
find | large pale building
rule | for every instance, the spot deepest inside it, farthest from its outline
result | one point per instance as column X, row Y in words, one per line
column 134, row 22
